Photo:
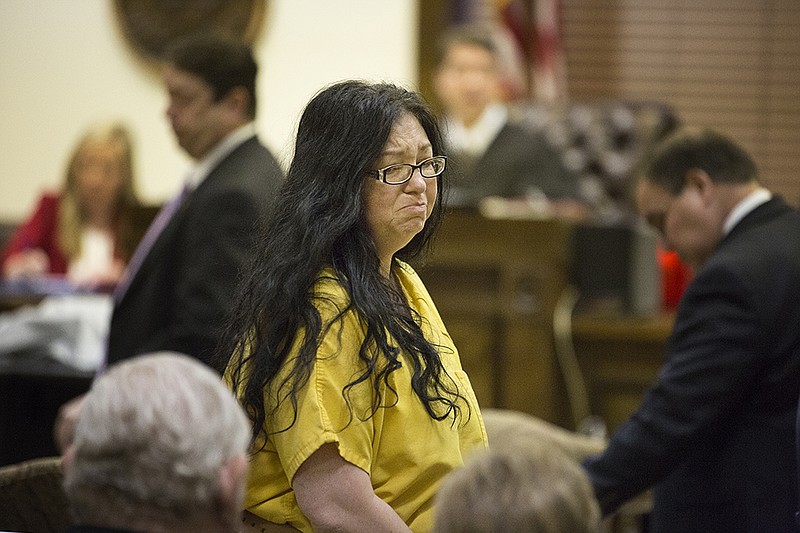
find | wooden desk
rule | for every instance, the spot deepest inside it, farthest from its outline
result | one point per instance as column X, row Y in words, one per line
column 495, row 283
column 620, row 357
column 12, row 302
column 34, row 388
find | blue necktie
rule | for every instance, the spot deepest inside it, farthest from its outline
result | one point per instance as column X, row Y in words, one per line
column 149, row 239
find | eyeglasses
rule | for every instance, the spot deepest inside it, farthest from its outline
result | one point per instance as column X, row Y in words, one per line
column 402, row 172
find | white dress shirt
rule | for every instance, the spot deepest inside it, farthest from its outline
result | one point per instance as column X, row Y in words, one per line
column 750, row 202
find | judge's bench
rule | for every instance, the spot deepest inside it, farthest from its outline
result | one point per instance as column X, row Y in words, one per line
column 544, row 313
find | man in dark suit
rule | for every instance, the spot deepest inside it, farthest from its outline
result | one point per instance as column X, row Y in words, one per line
column 490, row 155
column 715, row 435
column 179, row 288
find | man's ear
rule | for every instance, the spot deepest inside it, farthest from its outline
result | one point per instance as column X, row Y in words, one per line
column 231, row 480
column 67, row 459
column 238, row 99
column 698, row 179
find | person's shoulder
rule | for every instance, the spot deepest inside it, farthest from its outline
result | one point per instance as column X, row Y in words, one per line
column 249, row 173
column 253, row 148
column 48, row 204
column 406, row 270
column 411, row 281
column 330, row 297
column 519, row 130
column 50, row 199
column 252, row 167
column 763, row 222
column 513, row 143
column 747, row 255
column 328, row 287
column 50, row 196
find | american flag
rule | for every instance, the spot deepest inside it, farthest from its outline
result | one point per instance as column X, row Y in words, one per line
column 529, row 44
column 549, row 65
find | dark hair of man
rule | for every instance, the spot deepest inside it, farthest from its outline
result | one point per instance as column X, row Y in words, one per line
column 222, row 64
column 472, row 34
column 717, row 155
column 319, row 222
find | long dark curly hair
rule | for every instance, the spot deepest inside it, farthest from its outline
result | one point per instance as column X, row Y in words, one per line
column 318, row 223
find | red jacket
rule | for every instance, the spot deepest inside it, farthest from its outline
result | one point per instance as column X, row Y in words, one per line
column 39, row 231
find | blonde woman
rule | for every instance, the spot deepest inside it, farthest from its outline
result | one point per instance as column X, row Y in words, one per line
column 85, row 232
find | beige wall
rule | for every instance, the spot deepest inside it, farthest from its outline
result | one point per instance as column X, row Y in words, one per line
column 64, row 64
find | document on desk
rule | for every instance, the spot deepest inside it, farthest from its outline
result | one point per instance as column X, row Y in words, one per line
column 70, row 328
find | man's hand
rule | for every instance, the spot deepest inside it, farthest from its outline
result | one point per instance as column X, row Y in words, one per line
column 27, row 263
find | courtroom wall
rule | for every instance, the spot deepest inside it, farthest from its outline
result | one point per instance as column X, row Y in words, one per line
column 65, row 64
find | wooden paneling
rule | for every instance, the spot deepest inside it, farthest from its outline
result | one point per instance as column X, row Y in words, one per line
column 620, row 357
column 732, row 65
column 495, row 283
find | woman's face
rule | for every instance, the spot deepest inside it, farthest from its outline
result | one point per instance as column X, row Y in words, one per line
column 100, row 174
column 396, row 213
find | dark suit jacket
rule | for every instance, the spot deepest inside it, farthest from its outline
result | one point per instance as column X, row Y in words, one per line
column 179, row 297
column 516, row 161
column 716, row 432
